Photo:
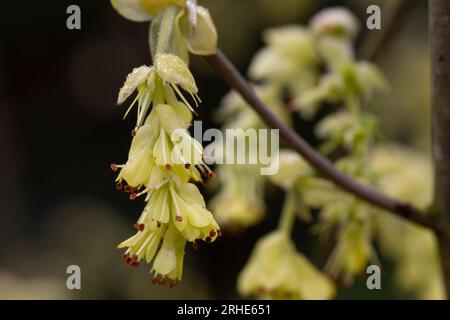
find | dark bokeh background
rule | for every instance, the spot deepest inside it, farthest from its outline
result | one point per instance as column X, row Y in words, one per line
column 60, row 129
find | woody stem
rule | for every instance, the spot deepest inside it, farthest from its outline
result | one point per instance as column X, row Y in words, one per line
column 220, row 63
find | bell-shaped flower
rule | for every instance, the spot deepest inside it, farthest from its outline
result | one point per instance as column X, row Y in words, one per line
column 166, row 258
column 290, row 54
column 328, row 89
column 403, row 173
column 142, row 80
column 136, row 171
column 174, row 145
column 335, row 53
column 345, row 129
column 276, row 270
column 190, row 215
column 239, row 202
column 337, row 22
column 143, row 245
column 352, row 252
column 133, row 81
column 156, row 213
column 370, row 79
column 180, row 203
column 293, row 42
column 168, row 262
column 158, row 85
column 175, row 72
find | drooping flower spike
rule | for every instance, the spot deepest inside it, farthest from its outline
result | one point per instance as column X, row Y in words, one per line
column 164, row 160
column 160, row 85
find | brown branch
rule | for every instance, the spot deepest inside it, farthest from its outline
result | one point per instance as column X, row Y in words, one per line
column 220, row 63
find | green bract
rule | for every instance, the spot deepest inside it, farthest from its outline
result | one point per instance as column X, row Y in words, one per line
column 201, row 40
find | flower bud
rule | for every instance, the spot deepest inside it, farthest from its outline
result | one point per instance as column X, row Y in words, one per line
column 202, row 39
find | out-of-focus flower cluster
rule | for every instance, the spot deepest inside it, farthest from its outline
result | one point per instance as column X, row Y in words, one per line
column 240, row 201
column 304, row 69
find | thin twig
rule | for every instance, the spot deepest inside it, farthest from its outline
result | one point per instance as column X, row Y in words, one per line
column 372, row 50
column 220, row 63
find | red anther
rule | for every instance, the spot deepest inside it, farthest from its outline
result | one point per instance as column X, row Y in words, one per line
column 178, row 218
column 119, row 185
column 139, row 226
column 114, row 167
column 194, row 245
column 260, row 290
column 187, row 165
column 173, row 283
column 154, row 280
column 133, row 196
column 211, row 175
column 201, row 183
column 128, row 189
column 291, row 106
column 158, row 224
column 208, row 239
column 168, row 166
column 134, row 260
column 212, row 234
column 133, row 132
column 125, row 257
column 162, row 281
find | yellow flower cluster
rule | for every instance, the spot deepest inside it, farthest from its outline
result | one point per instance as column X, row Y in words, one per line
column 164, row 161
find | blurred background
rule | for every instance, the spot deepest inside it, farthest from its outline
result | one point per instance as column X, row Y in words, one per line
column 60, row 129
